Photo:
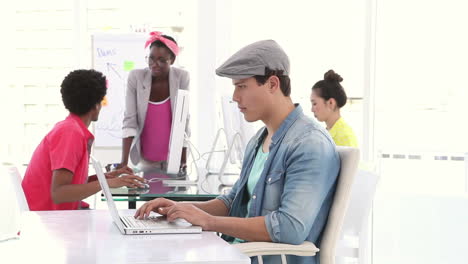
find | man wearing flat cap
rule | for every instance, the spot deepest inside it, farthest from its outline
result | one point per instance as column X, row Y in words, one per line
column 290, row 166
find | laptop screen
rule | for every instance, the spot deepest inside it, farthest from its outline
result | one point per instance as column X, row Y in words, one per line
column 107, row 194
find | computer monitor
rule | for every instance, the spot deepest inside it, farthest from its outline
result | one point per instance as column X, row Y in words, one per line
column 238, row 130
column 179, row 123
column 237, row 133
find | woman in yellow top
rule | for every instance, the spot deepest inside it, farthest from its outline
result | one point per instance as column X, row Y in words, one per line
column 327, row 97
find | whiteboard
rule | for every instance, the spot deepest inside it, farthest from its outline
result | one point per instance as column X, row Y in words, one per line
column 115, row 55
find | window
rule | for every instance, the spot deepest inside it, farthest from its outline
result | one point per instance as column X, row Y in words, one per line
column 420, row 131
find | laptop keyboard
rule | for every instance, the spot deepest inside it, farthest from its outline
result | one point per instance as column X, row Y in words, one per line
column 151, row 221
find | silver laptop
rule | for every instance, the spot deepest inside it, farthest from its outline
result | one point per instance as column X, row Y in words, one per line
column 128, row 225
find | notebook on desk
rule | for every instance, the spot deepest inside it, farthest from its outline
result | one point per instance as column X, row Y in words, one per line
column 128, row 225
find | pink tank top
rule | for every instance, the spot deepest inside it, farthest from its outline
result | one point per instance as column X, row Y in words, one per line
column 157, row 130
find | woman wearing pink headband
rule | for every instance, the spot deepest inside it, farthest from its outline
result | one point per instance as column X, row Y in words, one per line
column 150, row 99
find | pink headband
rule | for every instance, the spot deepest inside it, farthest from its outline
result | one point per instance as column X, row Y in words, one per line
column 156, row 35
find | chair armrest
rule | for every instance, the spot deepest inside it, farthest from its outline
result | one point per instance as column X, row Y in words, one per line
column 267, row 248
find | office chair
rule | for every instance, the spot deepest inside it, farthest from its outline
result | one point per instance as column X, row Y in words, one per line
column 14, row 204
column 16, row 179
column 349, row 162
column 354, row 242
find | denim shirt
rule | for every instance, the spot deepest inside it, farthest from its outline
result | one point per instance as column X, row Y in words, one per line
column 295, row 190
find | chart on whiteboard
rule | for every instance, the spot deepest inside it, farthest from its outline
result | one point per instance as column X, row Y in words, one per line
column 115, row 56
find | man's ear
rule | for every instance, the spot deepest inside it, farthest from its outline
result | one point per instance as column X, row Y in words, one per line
column 274, row 83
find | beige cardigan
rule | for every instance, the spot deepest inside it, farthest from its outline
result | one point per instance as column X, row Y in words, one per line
column 136, row 103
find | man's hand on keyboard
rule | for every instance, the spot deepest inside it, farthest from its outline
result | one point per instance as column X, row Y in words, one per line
column 159, row 205
column 190, row 213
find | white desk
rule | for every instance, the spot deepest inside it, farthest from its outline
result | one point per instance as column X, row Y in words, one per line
column 89, row 236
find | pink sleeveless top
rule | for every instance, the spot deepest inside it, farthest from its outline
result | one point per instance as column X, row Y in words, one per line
column 156, row 131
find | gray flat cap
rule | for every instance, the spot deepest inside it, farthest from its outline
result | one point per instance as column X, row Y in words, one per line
column 253, row 59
